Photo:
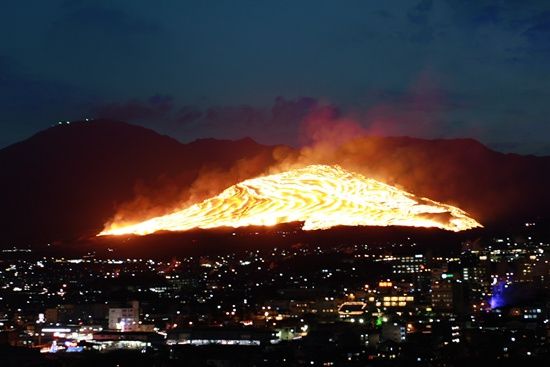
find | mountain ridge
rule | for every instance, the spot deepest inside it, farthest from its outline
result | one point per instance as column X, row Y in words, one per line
column 68, row 181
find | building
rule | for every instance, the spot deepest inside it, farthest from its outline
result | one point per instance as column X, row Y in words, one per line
column 222, row 336
column 447, row 293
column 393, row 332
column 403, row 300
column 409, row 264
column 352, row 309
column 124, row 319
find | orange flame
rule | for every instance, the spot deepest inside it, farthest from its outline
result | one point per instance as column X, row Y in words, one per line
column 321, row 196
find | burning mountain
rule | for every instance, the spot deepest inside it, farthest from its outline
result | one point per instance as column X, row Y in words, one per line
column 321, row 196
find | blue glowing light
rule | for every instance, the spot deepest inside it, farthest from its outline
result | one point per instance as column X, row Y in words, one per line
column 497, row 300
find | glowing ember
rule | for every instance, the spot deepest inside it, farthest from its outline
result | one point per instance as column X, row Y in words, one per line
column 320, row 196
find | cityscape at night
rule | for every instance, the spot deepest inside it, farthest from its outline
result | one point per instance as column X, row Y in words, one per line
column 274, row 183
column 356, row 302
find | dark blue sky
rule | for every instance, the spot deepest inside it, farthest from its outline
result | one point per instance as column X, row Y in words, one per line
column 233, row 68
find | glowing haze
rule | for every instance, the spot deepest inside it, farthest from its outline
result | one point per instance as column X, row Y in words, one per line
column 320, row 196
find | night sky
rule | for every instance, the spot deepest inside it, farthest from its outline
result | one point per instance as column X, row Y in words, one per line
column 229, row 69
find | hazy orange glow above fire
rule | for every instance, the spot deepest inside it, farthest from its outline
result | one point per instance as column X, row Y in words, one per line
column 320, row 196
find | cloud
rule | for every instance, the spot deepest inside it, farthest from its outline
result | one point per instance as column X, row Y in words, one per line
column 103, row 33
column 29, row 102
column 273, row 124
column 285, row 110
column 490, row 14
column 157, row 107
column 419, row 14
column 424, row 100
column 423, row 110
column 107, row 20
column 234, row 117
column 538, row 31
column 419, row 111
column 21, row 91
column 514, row 16
column 188, row 114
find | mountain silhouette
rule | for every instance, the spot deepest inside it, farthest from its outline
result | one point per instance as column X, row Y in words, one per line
column 68, row 181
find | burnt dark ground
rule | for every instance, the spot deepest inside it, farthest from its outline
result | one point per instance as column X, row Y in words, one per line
column 163, row 245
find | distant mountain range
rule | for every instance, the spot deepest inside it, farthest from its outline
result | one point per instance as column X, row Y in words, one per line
column 66, row 182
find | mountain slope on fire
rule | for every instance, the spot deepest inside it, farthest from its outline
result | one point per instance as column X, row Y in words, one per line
column 69, row 181
column 321, row 196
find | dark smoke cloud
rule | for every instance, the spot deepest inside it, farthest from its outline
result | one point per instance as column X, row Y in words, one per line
column 327, row 135
column 421, row 111
column 275, row 124
column 156, row 107
column 188, row 114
